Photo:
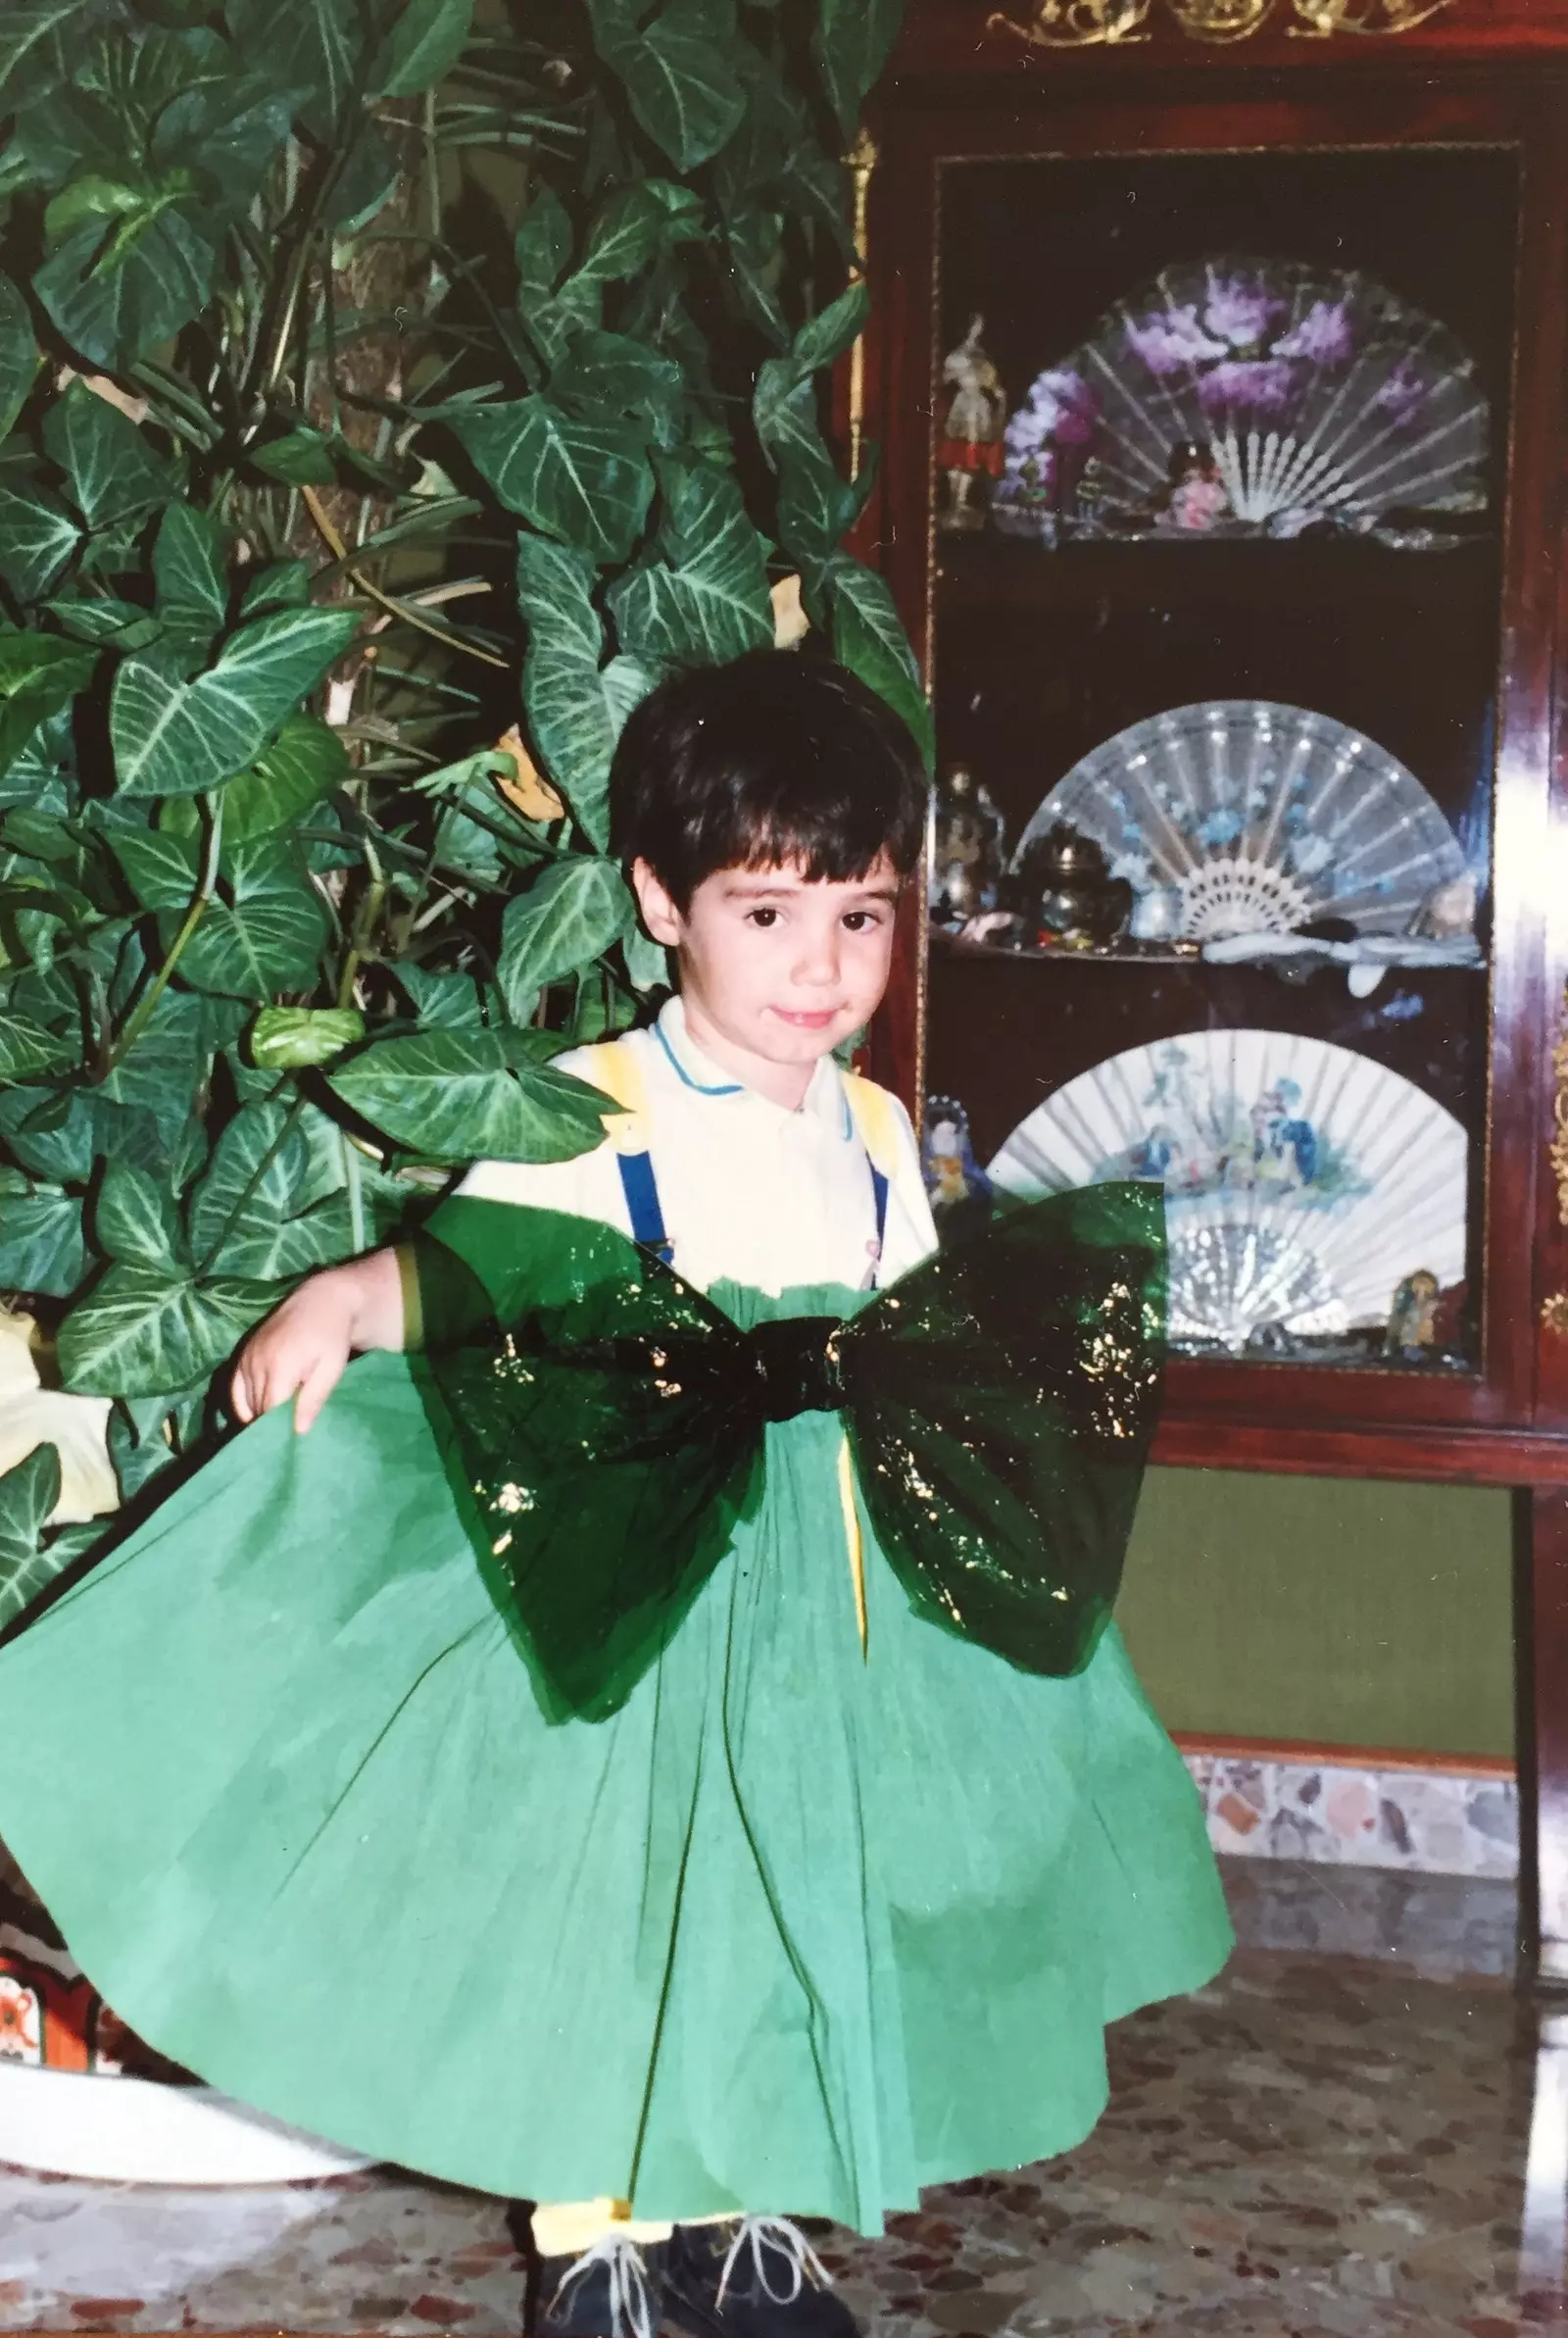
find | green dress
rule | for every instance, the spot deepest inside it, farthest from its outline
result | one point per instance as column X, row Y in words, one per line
column 788, row 1924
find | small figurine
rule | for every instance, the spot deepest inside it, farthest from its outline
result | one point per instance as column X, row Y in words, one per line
column 1448, row 912
column 967, row 849
column 1196, row 496
column 1064, row 885
column 1413, row 1319
column 971, row 443
column 960, row 1191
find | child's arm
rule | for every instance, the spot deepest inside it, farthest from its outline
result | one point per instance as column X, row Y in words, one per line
column 302, row 1348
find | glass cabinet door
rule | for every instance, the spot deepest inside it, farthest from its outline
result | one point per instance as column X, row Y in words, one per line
column 1220, row 444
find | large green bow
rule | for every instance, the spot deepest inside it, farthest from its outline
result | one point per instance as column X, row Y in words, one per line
column 606, row 1424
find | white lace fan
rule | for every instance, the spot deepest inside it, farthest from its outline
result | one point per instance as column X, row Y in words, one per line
column 1254, row 396
column 1303, row 1182
column 1259, row 816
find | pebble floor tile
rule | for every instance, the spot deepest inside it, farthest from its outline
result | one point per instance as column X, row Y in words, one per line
column 1328, row 2143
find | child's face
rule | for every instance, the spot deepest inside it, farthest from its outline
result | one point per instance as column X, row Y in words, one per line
column 776, row 968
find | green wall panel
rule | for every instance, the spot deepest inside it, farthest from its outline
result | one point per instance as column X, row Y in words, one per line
column 1325, row 1610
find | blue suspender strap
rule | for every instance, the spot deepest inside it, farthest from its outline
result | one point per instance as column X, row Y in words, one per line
column 642, row 1204
column 880, row 1187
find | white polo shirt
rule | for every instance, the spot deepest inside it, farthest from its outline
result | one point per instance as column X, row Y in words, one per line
column 749, row 1190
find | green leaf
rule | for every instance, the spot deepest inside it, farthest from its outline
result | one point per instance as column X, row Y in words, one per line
column 37, row 536
column 18, row 354
column 755, row 239
column 421, row 48
column 163, row 870
column 134, row 1219
column 289, row 1038
column 586, row 483
column 29, row 28
column 678, row 70
column 117, row 306
column 276, row 1252
column 162, row 1067
column 27, row 1495
column 577, row 910
column 175, row 738
column 577, row 709
column 26, row 1047
column 267, row 936
column 869, row 640
column 647, row 960
column 282, row 584
column 109, row 622
column 541, row 247
column 612, row 373
column 304, row 762
column 38, row 675
column 710, row 603
column 445, row 1002
column 49, row 1131
column 456, row 1096
column 852, row 43
column 258, row 1171
column 311, row 45
column 40, row 1243
column 823, row 338
column 189, row 566
column 301, row 459
column 144, row 1331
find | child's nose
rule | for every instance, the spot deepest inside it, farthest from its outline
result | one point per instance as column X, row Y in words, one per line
column 818, row 960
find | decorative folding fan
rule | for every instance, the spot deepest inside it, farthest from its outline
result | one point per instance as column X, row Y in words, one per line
column 1252, row 396
column 1259, row 816
column 1303, row 1182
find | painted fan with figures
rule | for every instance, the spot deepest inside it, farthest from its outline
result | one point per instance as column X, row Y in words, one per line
column 1251, row 816
column 1253, row 397
column 1305, row 1184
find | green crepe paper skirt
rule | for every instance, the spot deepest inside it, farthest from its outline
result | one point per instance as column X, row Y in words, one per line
column 797, row 1930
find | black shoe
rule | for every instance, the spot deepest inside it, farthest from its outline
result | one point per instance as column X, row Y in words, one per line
column 759, row 2280
column 614, row 2290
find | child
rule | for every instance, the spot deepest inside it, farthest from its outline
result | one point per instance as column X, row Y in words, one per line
column 562, row 1771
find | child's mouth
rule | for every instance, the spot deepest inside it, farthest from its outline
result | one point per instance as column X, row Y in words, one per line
column 816, row 1018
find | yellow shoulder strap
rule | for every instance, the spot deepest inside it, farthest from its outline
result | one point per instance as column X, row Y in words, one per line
column 615, row 1069
column 876, row 1119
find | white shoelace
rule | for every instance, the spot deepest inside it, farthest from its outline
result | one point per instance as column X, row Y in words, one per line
column 760, row 2233
column 631, row 2309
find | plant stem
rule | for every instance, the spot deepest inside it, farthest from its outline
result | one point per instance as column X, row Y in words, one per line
column 141, row 1015
column 388, row 601
column 355, row 1192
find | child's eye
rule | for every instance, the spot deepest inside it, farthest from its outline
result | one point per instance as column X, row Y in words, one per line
column 761, row 916
column 861, row 921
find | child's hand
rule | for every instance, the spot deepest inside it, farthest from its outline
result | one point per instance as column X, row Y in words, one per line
column 302, row 1350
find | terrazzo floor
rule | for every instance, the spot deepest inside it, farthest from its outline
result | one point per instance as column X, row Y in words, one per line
column 1330, row 2142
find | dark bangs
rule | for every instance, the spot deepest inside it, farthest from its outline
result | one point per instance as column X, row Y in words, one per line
column 781, row 756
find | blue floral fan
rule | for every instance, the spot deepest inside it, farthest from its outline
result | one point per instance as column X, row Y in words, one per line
column 1305, row 1184
column 1253, row 397
column 1253, row 817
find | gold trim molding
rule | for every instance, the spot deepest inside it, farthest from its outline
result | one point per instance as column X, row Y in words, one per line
column 1112, row 23
column 1555, row 1311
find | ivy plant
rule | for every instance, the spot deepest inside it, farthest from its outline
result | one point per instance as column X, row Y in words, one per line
column 391, row 391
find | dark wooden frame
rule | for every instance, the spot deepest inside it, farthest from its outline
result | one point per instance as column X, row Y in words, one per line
column 1483, row 71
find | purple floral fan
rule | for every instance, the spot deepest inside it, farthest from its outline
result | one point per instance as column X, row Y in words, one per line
column 1253, row 397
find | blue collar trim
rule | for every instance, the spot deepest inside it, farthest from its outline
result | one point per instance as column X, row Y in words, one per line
column 735, row 1087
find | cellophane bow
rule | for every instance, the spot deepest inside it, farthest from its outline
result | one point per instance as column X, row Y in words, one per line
column 606, row 1425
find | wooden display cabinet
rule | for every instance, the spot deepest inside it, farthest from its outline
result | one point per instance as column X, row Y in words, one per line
column 1035, row 166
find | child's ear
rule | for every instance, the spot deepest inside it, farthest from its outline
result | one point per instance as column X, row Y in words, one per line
column 659, row 915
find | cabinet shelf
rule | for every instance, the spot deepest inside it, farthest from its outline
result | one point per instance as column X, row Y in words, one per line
column 984, row 572
column 1157, row 956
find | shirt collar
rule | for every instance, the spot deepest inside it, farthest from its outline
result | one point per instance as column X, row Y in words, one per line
column 824, row 1099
